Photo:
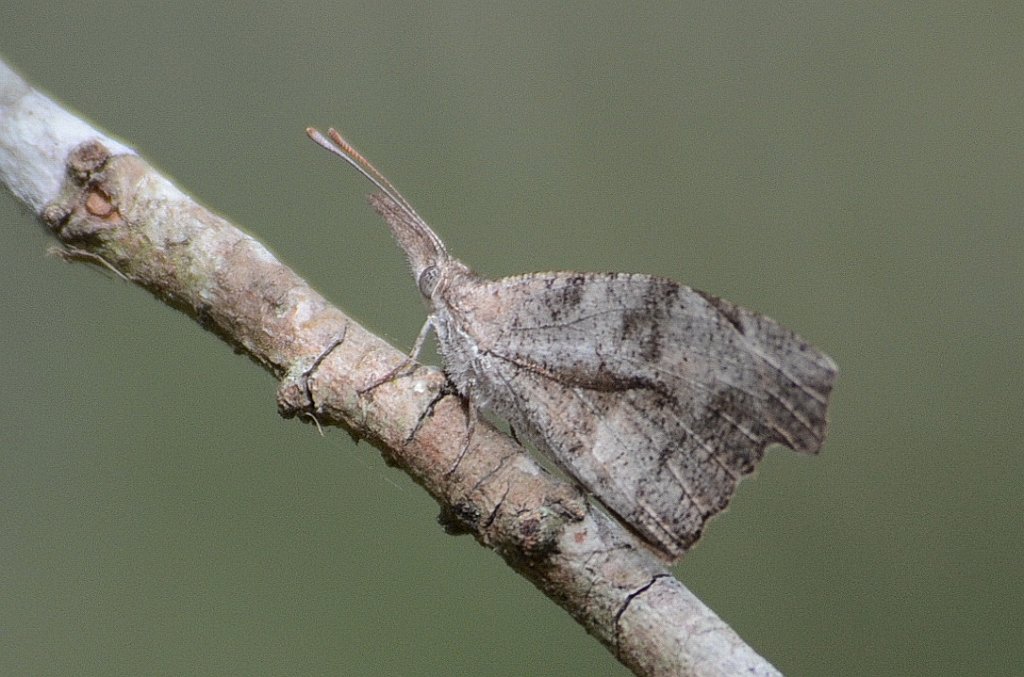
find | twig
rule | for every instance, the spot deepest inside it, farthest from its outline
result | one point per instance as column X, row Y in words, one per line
column 104, row 203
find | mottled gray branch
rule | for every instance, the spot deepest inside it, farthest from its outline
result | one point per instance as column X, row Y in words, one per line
column 105, row 205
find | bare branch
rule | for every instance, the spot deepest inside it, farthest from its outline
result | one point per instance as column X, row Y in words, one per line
column 105, row 205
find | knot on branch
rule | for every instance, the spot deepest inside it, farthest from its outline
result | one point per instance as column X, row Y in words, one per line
column 87, row 204
column 523, row 521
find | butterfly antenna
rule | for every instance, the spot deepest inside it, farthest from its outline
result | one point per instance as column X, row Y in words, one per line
column 347, row 152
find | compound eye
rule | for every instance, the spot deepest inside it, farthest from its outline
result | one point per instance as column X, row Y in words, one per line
column 428, row 280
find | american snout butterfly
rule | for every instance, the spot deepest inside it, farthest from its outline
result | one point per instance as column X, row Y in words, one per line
column 656, row 397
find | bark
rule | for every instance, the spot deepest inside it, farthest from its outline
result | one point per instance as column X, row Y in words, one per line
column 107, row 206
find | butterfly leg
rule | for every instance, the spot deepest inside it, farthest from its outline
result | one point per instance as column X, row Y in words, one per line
column 404, row 364
column 308, row 372
column 472, row 416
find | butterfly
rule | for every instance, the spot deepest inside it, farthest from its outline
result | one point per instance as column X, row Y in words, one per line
column 655, row 397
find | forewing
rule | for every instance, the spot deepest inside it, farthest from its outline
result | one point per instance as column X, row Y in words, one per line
column 656, row 397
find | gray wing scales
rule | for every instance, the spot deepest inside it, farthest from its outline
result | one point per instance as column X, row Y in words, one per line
column 656, row 397
column 663, row 486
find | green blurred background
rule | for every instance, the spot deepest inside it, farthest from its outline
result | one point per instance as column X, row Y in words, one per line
column 853, row 170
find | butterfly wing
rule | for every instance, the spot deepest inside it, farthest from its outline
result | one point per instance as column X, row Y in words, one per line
column 654, row 396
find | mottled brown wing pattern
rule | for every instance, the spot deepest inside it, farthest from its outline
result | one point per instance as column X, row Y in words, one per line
column 656, row 397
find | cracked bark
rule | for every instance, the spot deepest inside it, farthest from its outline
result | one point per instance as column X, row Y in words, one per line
column 106, row 206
